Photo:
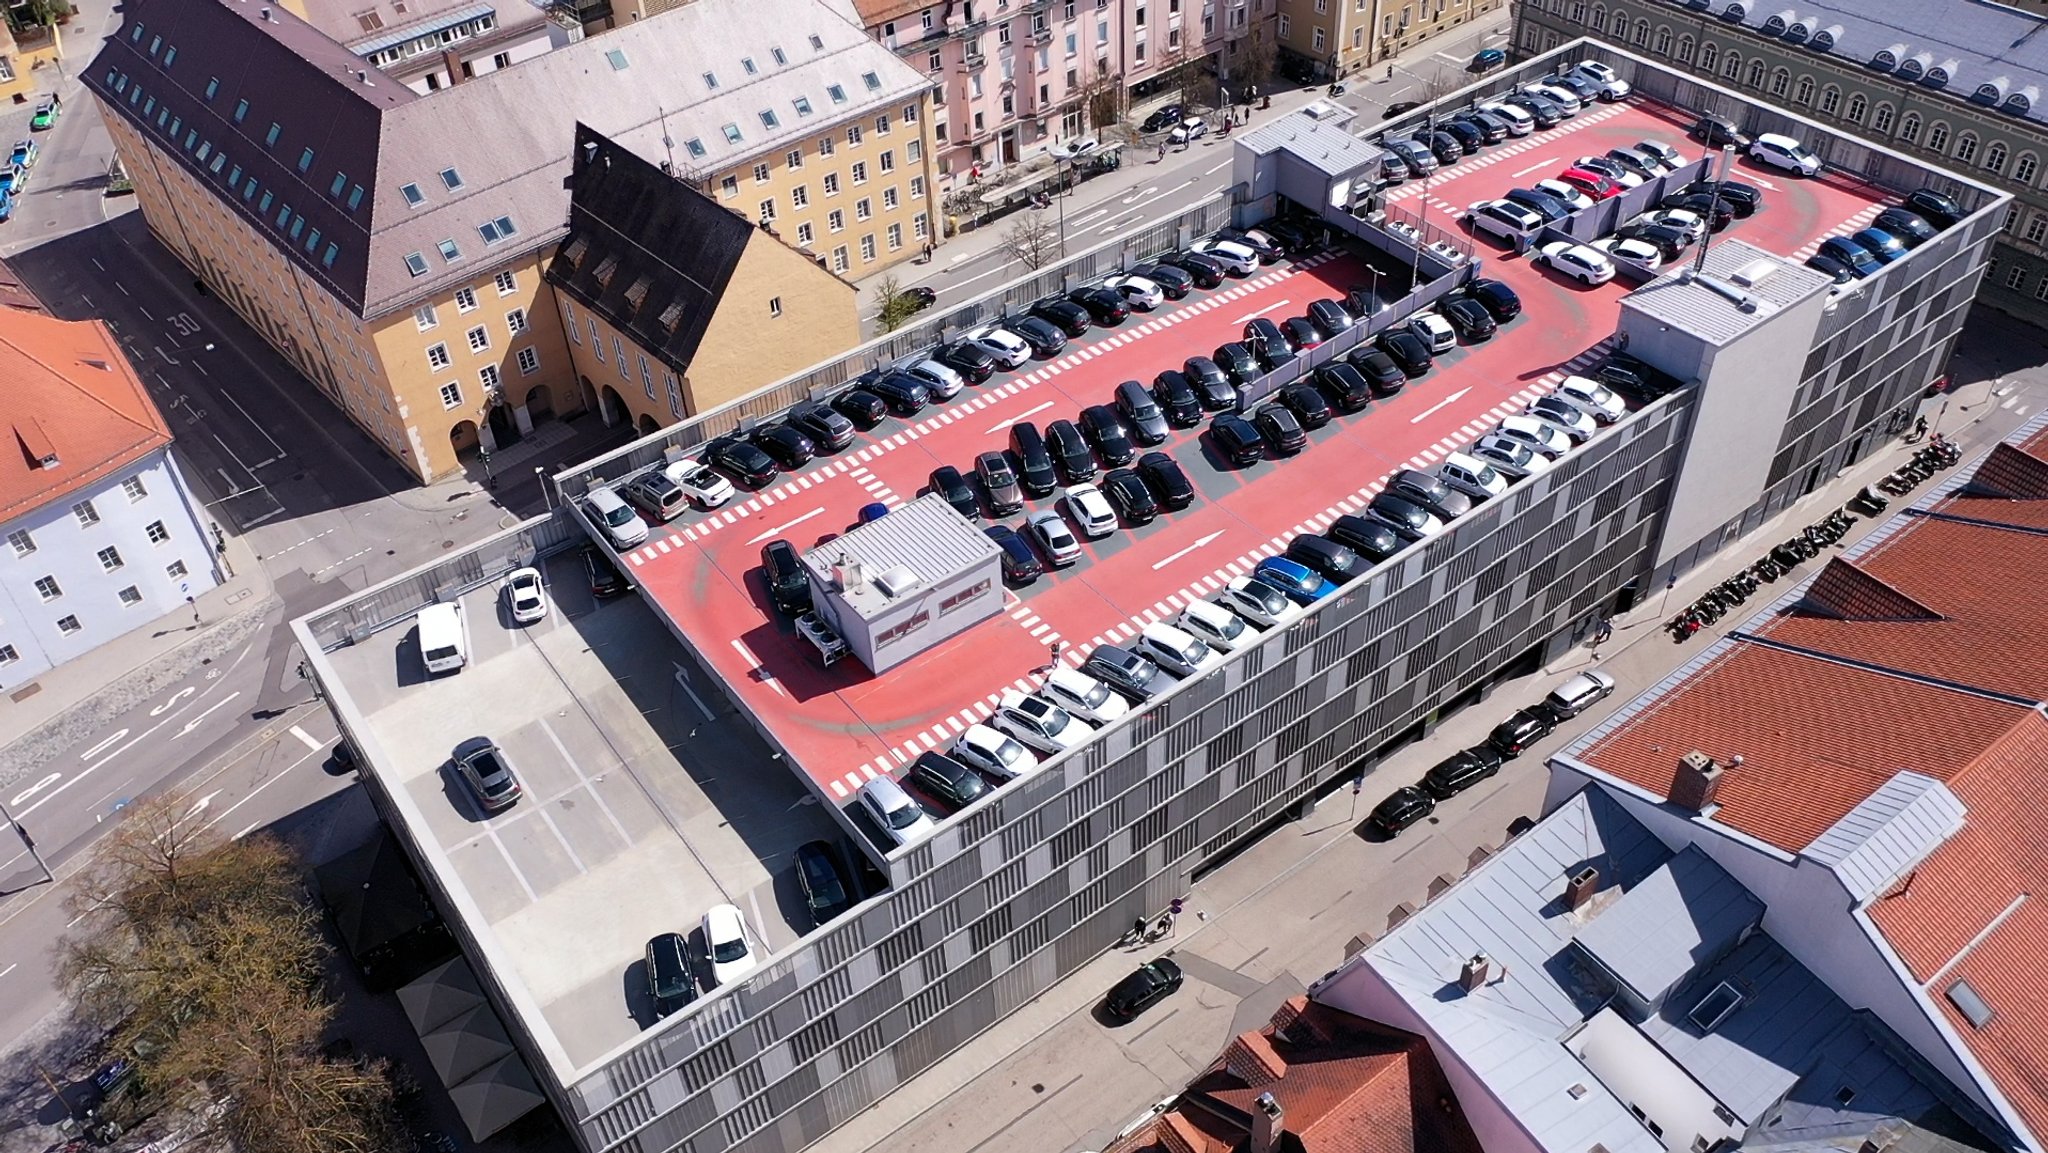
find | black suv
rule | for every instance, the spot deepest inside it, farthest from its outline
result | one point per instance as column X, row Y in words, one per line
column 1152, row 983
column 788, row 586
column 862, row 407
column 1034, row 463
column 1460, row 771
column 1140, row 410
column 1105, row 306
column 1236, row 440
column 788, row 445
column 1128, row 495
column 968, row 359
column 824, row 883
column 1070, row 454
column 948, row 483
column 1309, row 406
column 1345, row 387
column 1237, row 360
column 741, row 461
column 1715, row 129
column 1064, row 315
column 1408, row 351
column 606, row 581
column 1512, row 737
column 1406, row 807
column 1379, row 370
column 1168, row 482
column 1175, row 395
column 1368, row 538
column 1330, row 560
column 905, row 394
column 1205, row 272
column 947, row 781
column 1100, row 425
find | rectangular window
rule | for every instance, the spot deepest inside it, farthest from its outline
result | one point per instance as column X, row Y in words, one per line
column 451, row 179
column 424, row 317
column 619, row 351
column 87, row 515
column 913, row 151
column 729, row 186
column 839, row 260
column 47, row 588
column 340, row 182
column 156, row 532
column 110, row 558
column 130, row 596
column 414, row 262
column 529, row 362
column 479, row 338
column 646, row 377
column 451, row 394
column 800, row 197
column 859, row 172
column 23, row 543
column 831, row 184
column 836, row 220
column 465, row 299
column 867, row 247
column 515, row 321
column 882, row 124
column 241, row 110
column 768, row 210
column 804, row 235
column 450, row 252
column 917, row 188
column 853, row 136
column 270, row 137
column 507, row 282
column 8, row 655
column 305, row 160
column 863, row 208
column 888, row 162
column 888, row 198
column 488, row 377
column 826, row 145
column 919, row 226
column 69, row 624
column 437, row 357
column 795, row 159
column 596, row 341
column 175, row 570
column 774, row 306
column 413, row 196
column 134, row 487
column 760, row 174
column 895, row 237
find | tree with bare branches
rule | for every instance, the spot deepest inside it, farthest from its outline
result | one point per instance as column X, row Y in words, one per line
column 1033, row 239
column 1251, row 68
column 203, row 960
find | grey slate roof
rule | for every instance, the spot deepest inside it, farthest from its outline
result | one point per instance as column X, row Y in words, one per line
column 927, row 536
column 1889, row 834
column 1685, row 914
column 650, row 254
column 507, row 133
column 1320, row 143
column 1991, row 53
column 1716, row 316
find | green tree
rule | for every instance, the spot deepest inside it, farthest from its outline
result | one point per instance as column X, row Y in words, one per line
column 897, row 305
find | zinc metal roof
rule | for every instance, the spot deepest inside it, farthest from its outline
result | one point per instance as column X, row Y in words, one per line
column 927, row 536
column 1685, row 914
column 413, row 30
column 1319, row 143
column 1718, row 316
column 1889, row 833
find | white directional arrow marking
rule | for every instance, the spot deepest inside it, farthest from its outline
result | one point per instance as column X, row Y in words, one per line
column 161, row 709
column 1275, row 306
column 1431, row 410
column 1536, row 167
column 199, row 806
column 778, row 530
column 1135, row 195
column 1001, row 425
column 1199, row 542
column 194, row 722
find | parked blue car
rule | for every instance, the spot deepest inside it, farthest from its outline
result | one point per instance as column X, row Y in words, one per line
column 1880, row 244
column 1856, row 258
column 1487, row 58
column 1297, row 582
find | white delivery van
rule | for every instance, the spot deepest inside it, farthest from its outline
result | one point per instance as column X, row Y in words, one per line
column 444, row 638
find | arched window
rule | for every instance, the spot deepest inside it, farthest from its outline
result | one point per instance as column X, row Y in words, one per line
column 1994, row 157
column 1909, row 128
column 2026, row 167
column 1857, row 107
column 1709, row 52
column 1966, row 147
column 1685, row 47
column 1804, row 93
column 1731, row 67
column 1830, row 99
column 1756, row 74
column 1882, row 122
column 1642, row 33
column 1663, row 39
column 1598, row 23
column 1780, row 81
column 1937, row 137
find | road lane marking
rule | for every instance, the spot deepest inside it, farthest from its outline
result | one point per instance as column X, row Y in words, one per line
column 1199, row 542
column 781, row 528
column 1278, row 304
column 46, row 782
column 306, row 738
column 1540, row 164
column 194, row 722
column 1432, row 409
column 158, row 711
column 1003, row 424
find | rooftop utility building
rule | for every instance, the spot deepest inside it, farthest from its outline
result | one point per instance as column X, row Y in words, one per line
column 897, row 586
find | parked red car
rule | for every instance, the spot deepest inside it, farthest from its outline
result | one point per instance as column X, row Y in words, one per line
column 1591, row 183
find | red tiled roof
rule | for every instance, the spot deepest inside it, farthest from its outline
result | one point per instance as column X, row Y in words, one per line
column 1815, row 737
column 69, row 391
column 1345, row 1085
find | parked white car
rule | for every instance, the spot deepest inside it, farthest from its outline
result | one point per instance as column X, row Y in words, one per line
column 1257, row 602
column 1685, row 219
column 1784, row 152
column 1216, row 626
column 1537, row 435
column 621, row 526
column 729, row 944
column 1091, row 510
column 1520, row 123
column 1558, row 94
column 524, row 597
column 1575, row 198
column 703, row 484
column 1612, row 86
column 1040, row 723
column 1084, row 696
column 1640, row 255
column 1137, row 291
column 1661, row 151
column 1176, row 651
column 1610, row 168
column 1435, row 331
column 1596, row 399
column 1564, row 416
column 940, row 381
column 1586, row 265
column 994, row 753
column 1506, row 454
column 1504, row 219
column 1007, row 347
column 1470, row 475
column 1234, row 257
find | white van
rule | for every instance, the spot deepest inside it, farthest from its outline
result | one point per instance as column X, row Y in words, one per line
column 444, row 638
column 1176, row 651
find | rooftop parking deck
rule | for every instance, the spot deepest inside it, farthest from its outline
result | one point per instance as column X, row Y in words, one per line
column 632, row 822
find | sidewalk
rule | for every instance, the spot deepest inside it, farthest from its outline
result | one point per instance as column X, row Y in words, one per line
column 41, row 718
column 1275, row 898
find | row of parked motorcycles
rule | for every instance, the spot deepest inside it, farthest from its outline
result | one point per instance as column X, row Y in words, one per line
column 1723, row 598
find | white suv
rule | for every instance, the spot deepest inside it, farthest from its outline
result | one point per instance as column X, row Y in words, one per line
column 1008, row 349
column 1587, row 265
column 1238, row 259
column 1504, row 219
column 1084, row 696
column 993, row 753
column 1040, row 723
column 1612, row 86
column 1784, row 152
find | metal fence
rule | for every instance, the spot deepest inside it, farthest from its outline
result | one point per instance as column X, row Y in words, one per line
column 397, row 599
column 914, row 340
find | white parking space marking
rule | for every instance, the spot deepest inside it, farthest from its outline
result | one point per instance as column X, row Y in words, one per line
column 306, row 738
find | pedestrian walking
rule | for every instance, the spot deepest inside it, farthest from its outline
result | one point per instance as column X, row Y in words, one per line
column 927, row 252
column 1162, row 151
column 1603, row 632
column 1920, row 428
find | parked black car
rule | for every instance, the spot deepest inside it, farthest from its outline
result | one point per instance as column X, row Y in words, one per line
column 1294, row 237
column 1205, row 370
column 1345, row 388
column 606, row 581
column 1668, row 240
column 1161, row 119
column 862, row 407
column 1302, row 333
column 1746, row 198
column 1364, row 303
column 1020, row 562
column 903, row 393
column 788, row 586
column 1410, row 521
column 823, row 881
column 1470, row 318
column 947, row 482
column 1174, row 282
column 1546, row 113
column 947, row 781
column 1718, row 211
column 1131, row 676
column 1205, row 272
column 1268, row 253
column 789, row 447
column 1034, row 462
column 1910, row 227
column 829, row 430
column 1331, row 560
column 1542, row 203
column 1308, row 405
column 1368, row 538
column 1330, row 316
column 741, row 461
column 1281, row 428
column 1104, row 306
column 1236, row 440
column 1429, row 491
column 1152, row 983
column 1100, row 425
column 1444, row 146
column 1468, row 136
column 1490, row 130
column 1141, row 410
column 670, row 984
column 1070, row 452
column 1269, row 342
column 1177, row 398
column 1237, row 361
column 1407, row 351
column 1044, row 337
column 1512, row 737
column 1378, row 369
column 1130, row 497
column 1714, row 129
column 1937, row 209
column 1631, row 379
column 1167, row 481
column 1460, row 771
column 968, row 359
column 1408, row 806
column 1065, row 315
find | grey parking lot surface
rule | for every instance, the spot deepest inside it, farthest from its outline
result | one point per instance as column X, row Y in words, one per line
column 638, row 809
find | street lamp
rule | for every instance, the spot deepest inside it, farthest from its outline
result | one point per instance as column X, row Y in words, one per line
column 29, row 843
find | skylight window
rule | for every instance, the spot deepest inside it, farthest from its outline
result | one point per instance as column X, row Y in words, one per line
column 617, row 57
column 1715, row 1007
column 413, row 196
column 495, row 230
column 416, row 264
column 711, row 81
column 732, row 134
column 803, row 106
column 1966, row 1000
column 241, row 110
column 340, row 182
column 305, row 160
column 449, row 252
column 817, row 42
column 781, row 57
column 212, row 86
column 768, row 119
column 451, row 179
column 837, row 93
column 694, row 146
column 747, row 62
column 873, row 80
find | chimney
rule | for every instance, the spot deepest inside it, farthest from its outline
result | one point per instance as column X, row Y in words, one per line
column 1475, row 972
column 1699, row 778
column 1580, row 889
column 452, row 61
column 266, row 16
column 1268, row 1123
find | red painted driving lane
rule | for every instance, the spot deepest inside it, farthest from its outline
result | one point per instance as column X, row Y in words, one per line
column 845, row 726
